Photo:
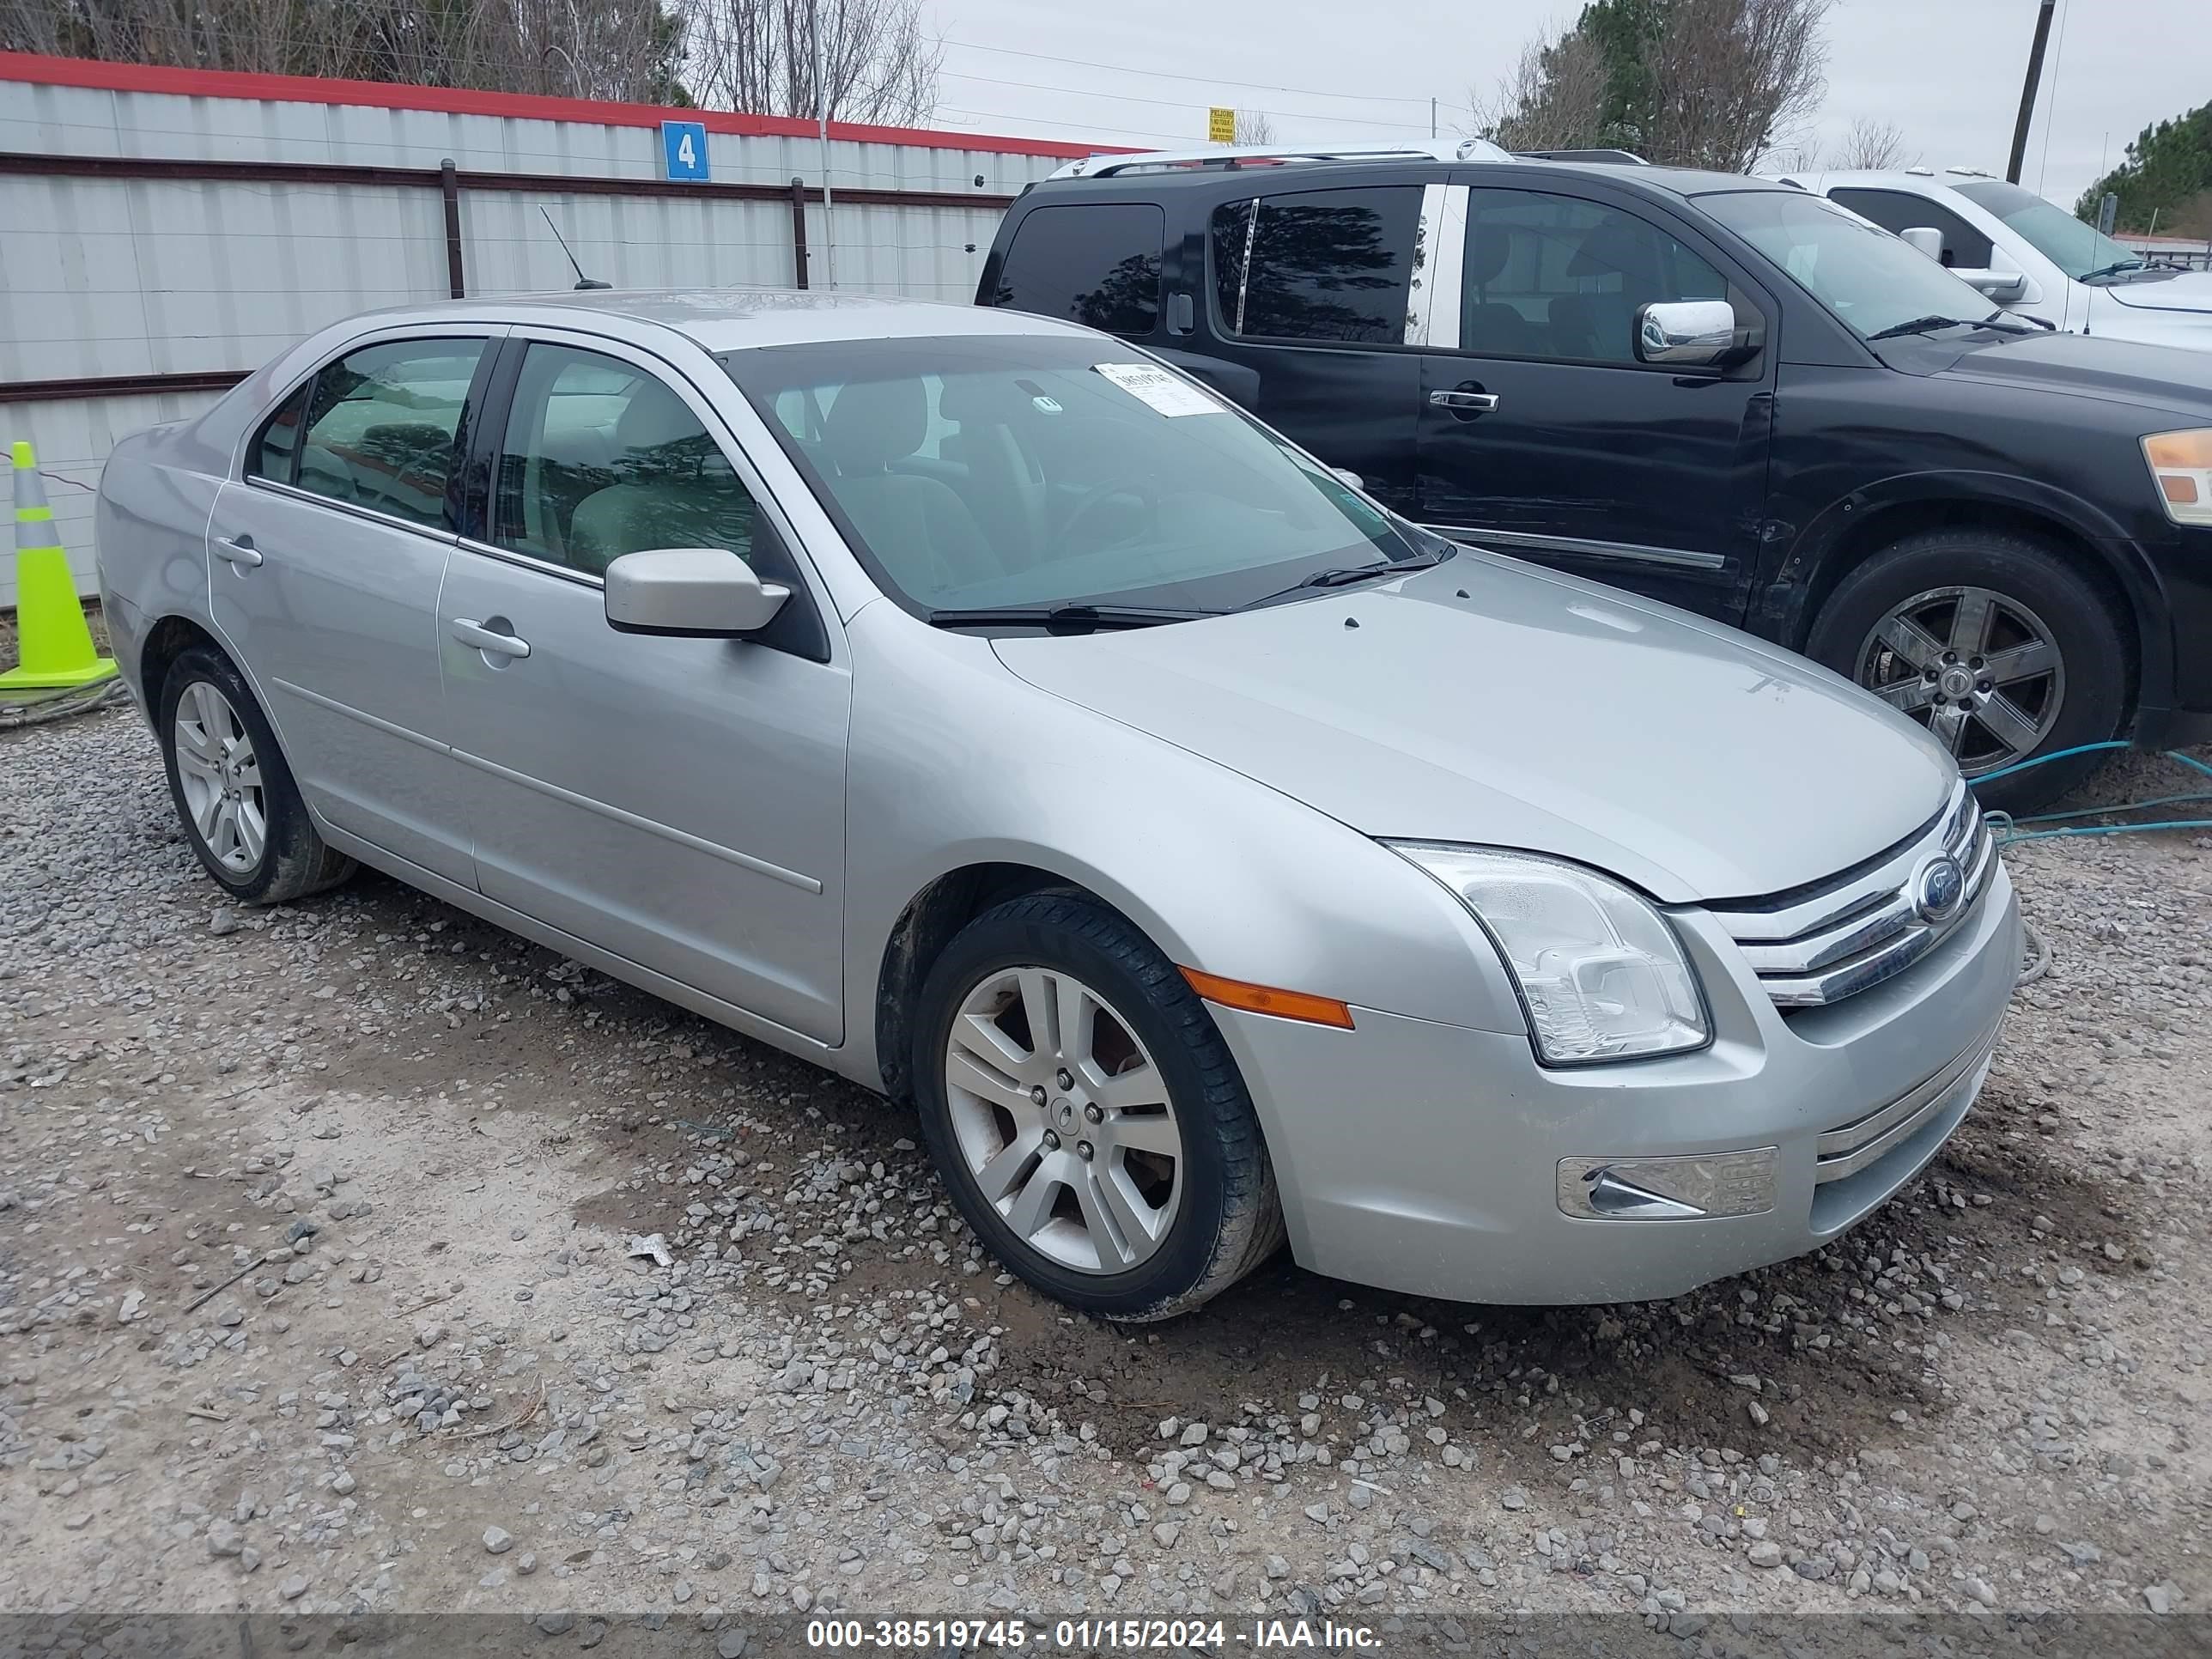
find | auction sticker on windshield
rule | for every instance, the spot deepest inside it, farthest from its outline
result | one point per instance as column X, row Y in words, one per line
column 1160, row 390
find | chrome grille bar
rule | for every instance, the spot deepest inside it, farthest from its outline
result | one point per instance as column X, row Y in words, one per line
column 1846, row 1150
column 1811, row 948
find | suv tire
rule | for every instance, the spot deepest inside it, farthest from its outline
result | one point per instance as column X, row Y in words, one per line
column 1191, row 1210
column 1924, row 596
column 234, row 795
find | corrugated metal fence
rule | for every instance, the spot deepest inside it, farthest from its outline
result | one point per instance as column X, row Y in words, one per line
column 162, row 232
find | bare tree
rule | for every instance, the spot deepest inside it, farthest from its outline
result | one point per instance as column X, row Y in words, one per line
column 1553, row 98
column 878, row 64
column 1252, row 127
column 1874, row 146
column 1703, row 83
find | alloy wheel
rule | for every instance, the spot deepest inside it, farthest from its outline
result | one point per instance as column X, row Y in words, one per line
column 220, row 778
column 1063, row 1120
column 1976, row 668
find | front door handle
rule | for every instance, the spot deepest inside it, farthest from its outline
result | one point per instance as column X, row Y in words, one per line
column 1480, row 402
column 237, row 549
column 469, row 632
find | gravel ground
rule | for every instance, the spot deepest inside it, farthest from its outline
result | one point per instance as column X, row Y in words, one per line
column 329, row 1281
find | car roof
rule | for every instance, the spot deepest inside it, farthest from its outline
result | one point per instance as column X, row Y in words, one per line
column 739, row 319
column 1518, row 174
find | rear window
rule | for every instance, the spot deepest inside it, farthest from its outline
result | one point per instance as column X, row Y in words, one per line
column 1318, row 264
column 1099, row 266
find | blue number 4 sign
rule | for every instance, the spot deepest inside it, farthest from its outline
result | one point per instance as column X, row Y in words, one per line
column 683, row 149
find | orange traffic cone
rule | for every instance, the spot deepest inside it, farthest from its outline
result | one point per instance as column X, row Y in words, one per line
column 54, row 644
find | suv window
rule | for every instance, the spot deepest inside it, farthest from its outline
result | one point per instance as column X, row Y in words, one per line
column 1320, row 264
column 1899, row 210
column 381, row 425
column 601, row 459
column 1099, row 266
column 1558, row 278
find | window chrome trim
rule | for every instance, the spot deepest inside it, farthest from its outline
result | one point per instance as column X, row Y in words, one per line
column 1421, row 278
column 530, row 561
column 350, row 509
column 1450, row 263
column 1686, row 558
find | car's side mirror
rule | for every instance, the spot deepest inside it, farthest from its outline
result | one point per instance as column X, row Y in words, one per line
column 1926, row 238
column 691, row 592
column 1345, row 475
column 2002, row 286
column 1688, row 334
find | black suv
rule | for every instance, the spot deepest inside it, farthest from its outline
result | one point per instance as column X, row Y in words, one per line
column 1725, row 393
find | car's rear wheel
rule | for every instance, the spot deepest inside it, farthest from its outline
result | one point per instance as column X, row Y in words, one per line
column 233, row 792
column 1086, row 1114
column 1992, row 641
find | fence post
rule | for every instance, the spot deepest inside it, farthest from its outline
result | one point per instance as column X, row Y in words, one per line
column 449, row 187
column 799, row 232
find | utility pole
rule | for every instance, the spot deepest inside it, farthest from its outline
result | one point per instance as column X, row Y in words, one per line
column 821, row 114
column 1433, row 117
column 2027, row 92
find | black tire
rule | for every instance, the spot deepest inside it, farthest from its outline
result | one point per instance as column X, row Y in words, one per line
column 1228, row 1218
column 2093, row 695
column 295, row 860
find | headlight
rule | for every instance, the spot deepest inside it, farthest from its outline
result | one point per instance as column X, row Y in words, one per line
column 2181, row 463
column 1601, row 974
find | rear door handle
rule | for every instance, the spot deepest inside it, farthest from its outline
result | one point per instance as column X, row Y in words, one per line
column 469, row 632
column 1482, row 402
column 238, row 549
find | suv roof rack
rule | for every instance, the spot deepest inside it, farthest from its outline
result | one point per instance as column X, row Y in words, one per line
column 1234, row 155
column 1628, row 158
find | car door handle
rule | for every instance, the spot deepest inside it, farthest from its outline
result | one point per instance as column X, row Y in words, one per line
column 237, row 549
column 1482, row 402
column 484, row 639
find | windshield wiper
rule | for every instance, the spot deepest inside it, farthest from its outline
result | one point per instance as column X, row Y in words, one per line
column 1346, row 576
column 2113, row 270
column 1920, row 326
column 1063, row 615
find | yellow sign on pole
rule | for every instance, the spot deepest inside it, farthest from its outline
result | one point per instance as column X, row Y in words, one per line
column 1221, row 126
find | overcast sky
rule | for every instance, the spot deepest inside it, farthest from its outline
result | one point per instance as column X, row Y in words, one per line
column 1947, row 72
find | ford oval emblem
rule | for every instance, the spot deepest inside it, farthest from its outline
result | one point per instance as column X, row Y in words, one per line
column 1939, row 888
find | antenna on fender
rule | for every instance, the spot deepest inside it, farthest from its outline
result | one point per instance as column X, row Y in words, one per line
column 583, row 283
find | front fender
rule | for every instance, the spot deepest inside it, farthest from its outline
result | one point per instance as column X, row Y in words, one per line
column 1221, row 872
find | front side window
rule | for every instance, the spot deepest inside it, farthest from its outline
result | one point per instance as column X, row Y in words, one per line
column 1099, row 266
column 276, row 451
column 1556, row 276
column 1897, row 211
column 1868, row 278
column 1332, row 266
column 1068, row 472
column 601, row 459
column 2080, row 250
column 381, row 424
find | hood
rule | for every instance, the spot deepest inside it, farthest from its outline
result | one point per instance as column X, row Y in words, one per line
column 2090, row 366
column 2192, row 290
column 1485, row 701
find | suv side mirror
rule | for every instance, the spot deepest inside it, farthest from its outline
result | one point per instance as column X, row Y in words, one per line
column 691, row 592
column 2002, row 286
column 1688, row 334
column 1924, row 239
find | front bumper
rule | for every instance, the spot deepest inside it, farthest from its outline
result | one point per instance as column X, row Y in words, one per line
column 1438, row 1160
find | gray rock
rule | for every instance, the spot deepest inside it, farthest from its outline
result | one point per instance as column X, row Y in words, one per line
column 498, row 1539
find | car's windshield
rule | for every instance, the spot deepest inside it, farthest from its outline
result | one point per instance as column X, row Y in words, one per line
column 1038, row 470
column 2075, row 248
column 1870, row 279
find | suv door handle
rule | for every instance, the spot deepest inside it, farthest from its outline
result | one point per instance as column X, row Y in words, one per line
column 237, row 549
column 484, row 639
column 1480, row 402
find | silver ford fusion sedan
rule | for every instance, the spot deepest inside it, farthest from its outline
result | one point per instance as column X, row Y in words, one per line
column 971, row 704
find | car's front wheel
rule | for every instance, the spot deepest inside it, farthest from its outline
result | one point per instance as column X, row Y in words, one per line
column 233, row 790
column 1994, row 643
column 1086, row 1115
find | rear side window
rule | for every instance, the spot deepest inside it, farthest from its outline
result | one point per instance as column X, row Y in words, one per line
column 1899, row 210
column 381, row 423
column 1099, row 266
column 1320, row 264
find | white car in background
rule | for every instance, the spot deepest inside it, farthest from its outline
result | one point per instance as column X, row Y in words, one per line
column 2027, row 254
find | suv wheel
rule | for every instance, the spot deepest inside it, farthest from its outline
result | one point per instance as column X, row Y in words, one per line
column 1084, row 1111
column 232, row 791
column 1993, row 642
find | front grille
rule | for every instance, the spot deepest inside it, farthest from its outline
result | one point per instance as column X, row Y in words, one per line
column 1818, row 945
column 1844, row 1150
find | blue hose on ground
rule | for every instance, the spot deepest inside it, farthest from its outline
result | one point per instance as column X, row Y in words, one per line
column 2009, row 829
